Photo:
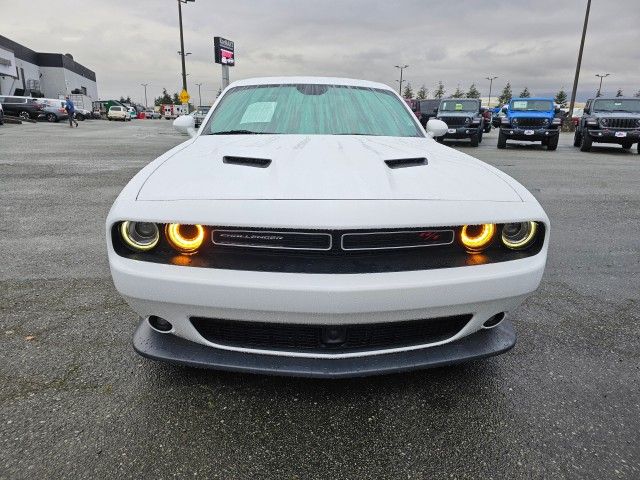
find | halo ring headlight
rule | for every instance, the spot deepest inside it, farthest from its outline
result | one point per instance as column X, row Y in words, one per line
column 185, row 239
column 140, row 236
column 518, row 236
column 476, row 238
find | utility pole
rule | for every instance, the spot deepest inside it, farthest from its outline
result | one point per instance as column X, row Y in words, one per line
column 401, row 70
column 182, row 54
column 199, row 95
column 575, row 79
column 145, row 93
column 491, row 79
column 599, row 94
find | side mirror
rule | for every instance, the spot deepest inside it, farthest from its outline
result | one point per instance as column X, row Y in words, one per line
column 186, row 125
column 436, row 128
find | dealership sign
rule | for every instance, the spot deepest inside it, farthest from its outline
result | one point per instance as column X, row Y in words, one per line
column 7, row 63
column 223, row 51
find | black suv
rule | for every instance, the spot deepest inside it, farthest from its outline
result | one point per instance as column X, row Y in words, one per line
column 23, row 107
column 463, row 118
column 424, row 110
column 609, row 120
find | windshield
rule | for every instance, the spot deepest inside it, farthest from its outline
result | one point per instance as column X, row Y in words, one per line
column 630, row 105
column 311, row 109
column 459, row 106
column 532, row 105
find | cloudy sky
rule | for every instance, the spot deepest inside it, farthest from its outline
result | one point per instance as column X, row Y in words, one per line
column 531, row 43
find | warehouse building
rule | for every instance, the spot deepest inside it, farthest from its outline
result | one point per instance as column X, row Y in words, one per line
column 25, row 72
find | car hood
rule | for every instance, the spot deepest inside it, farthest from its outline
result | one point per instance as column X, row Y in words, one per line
column 531, row 114
column 616, row 114
column 322, row 167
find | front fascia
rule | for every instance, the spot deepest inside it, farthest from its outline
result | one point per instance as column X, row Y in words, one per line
column 325, row 214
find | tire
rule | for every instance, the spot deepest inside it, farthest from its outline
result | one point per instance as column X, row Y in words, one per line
column 627, row 145
column 487, row 128
column 480, row 132
column 24, row 115
column 552, row 143
column 502, row 140
column 585, row 144
column 80, row 117
column 51, row 118
column 474, row 140
column 577, row 138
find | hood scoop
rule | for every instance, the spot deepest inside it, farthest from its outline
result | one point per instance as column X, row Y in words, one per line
column 406, row 162
column 247, row 162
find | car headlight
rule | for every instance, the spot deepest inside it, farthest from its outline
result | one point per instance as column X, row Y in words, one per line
column 476, row 238
column 604, row 122
column 545, row 122
column 467, row 121
column 185, row 239
column 518, row 236
column 139, row 236
column 638, row 122
column 514, row 122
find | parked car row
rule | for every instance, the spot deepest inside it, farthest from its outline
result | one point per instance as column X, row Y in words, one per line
column 49, row 109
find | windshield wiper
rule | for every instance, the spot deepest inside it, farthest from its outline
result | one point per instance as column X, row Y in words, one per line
column 240, row 132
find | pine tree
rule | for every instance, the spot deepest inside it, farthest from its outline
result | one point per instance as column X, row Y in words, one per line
column 619, row 94
column 505, row 96
column 458, row 93
column 423, row 93
column 561, row 98
column 525, row 93
column 164, row 99
column 473, row 92
column 440, row 91
column 408, row 91
column 176, row 99
column 637, row 95
column 125, row 100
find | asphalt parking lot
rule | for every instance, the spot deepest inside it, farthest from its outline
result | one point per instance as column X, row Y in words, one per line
column 77, row 402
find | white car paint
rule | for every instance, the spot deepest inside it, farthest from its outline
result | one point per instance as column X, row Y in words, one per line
column 321, row 182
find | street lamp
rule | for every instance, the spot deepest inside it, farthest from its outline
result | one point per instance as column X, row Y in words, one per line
column 577, row 75
column 145, row 93
column 601, row 76
column 199, row 95
column 181, row 52
column 491, row 79
column 401, row 67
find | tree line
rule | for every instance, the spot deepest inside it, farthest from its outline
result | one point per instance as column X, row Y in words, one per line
column 504, row 97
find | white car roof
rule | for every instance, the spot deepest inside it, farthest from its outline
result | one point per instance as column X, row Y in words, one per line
column 310, row 80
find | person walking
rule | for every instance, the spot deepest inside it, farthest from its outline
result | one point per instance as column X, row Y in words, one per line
column 71, row 111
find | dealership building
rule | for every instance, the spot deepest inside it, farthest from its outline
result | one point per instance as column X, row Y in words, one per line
column 29, row 73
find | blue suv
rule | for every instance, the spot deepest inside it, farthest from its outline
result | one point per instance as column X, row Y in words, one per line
column 531, row 120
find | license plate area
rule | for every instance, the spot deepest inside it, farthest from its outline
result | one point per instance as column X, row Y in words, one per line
column 529, row 132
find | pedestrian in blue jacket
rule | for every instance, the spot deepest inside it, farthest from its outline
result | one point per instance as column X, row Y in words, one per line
column 71, row 111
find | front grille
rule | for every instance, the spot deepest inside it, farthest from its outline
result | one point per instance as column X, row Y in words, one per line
column 531, row 122
column 454, row 121
column 328, row 338
column 621, row 123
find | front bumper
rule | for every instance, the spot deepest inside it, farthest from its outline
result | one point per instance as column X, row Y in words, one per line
column 529, row 134
column 461, row 132
column 614, row 136
column 158, row 346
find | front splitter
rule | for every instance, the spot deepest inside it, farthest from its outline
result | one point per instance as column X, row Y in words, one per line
column 170, row 348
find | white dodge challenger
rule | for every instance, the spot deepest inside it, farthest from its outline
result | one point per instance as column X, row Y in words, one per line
column 312, row 227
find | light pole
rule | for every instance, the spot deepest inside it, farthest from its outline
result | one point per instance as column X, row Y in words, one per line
column 491, row 79
column 575, row 79
column 199, row 95
column 401, row 67
column 601, row 75
column 145, row 93
column 181, row 52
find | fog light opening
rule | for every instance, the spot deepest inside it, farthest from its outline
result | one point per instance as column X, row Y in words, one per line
column 494, row 321
column 159, row 324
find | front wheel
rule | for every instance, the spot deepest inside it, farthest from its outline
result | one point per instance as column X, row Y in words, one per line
column 585, row 144
column 474, row 140
column 552, row 143
column 627, row 145
column 51, row 118
column 24, row 115
column 577, row 138
column 502, row 140
column 80, row 117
